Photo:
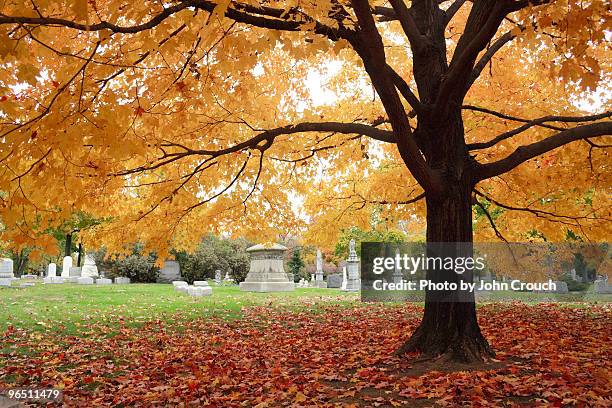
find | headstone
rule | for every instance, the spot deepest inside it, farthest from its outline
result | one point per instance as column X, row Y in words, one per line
column 199, row 290
column 103, row 281
column 334, row 281
column 217, row 277
column 201, row 283
column 344, row 278
column 72, row 279
column 120, row 280
column 89, row 267
column 85, row 280
column 353, row 282
column 171, row 271
column 561, row 287
column 52, row 270
column 66, row 265
column 29, row 276
column 182, row 288
column 76, row 271
column 6, row 272
column 179, row 283
column 266, row 272
column 26, row 285
column 602, row 287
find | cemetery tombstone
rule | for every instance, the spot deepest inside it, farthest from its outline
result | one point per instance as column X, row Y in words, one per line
column 344, row 278
column 6, row 272
column 353, row 282
column 318, row 281
column 66, row 265
column 218, row 277
column 85, row 280
column 334, row 281
column 266, row 272
column 89, row 267
column 602, row 287
column 103, row 281
column 75, row 271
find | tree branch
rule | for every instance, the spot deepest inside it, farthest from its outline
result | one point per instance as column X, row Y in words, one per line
column 527, row 152
column 264, row 17
column 405, row 90
column 417, row 40
column 486, row 58
column 453, row 9
column 537, row 122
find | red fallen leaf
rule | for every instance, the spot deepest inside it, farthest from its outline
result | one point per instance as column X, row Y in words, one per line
column 3, row 98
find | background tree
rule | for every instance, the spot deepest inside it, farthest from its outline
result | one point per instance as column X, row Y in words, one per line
column 184, row 117
column 296, row 264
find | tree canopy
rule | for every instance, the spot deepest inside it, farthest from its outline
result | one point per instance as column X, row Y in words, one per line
column 186, row 117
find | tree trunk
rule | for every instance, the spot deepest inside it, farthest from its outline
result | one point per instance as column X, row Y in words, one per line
column 449, row 327
column 68, row 246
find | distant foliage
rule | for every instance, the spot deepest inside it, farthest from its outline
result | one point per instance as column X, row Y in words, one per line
column 214, row 253
column 360, row 235
column 296, row 265
column 136, row 266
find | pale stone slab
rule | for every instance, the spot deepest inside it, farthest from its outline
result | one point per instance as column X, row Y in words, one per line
column 201, row 283
column 66, row 265
column 89, row 267
column 199, row 291
column 85, row 280
column 6, row 282
column 182, row 288
column 120, row 280
column 602, row 287
column 217, row 277
column 52, row 270
column 72, row 279
column 267, row 273
column 179, row 283
column 334, row 281
column 75, row 271
column 6, row 268
column 103, row 281
column 344, row 278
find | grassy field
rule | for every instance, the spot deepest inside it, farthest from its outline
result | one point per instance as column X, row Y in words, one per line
column 67, row 308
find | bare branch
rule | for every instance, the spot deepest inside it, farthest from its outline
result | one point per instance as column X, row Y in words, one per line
column 527, row 152
column 486, row 58
column 453, row 9
column 417, row 40
column 405, row 90
column 491, row 221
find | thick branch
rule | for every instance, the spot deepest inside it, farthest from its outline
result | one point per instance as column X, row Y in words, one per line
column 369, row 45
column 417, row 40
column 264, row 17
column 527, row 152
column 453, row 9
column 405, row 90
column 537, row 122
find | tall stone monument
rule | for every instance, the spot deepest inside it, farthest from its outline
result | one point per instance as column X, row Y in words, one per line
column 6, row 272
column 267, row 273
column 319, row 282
column 66, row 265
column 353, row 282
column 344, row 278
column 89, row 269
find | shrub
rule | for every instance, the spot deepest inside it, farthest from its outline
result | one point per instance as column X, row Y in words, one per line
column 136, row 266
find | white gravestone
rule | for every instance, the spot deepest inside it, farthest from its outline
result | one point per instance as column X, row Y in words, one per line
column 6, row 272
column 201, row 283
column 52, row 280
column 217, row 277
column 199, row 290
column 66, row 265
column 52, row 270
column 75, row 271
column 267, row 273
column 103, row 281
column 344, row 279
column 182, row 288
column 397, row 272
column 121, row 280
column 602, row 287
column 353, row 282
column 85, row 280
column 89, row 267
column 318, row 281
column 179, row 283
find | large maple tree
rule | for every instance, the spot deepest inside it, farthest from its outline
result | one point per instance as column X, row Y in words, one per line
column 178, row 118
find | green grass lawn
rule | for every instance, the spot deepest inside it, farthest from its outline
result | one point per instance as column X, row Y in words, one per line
column 68, row 308
column 72, row 309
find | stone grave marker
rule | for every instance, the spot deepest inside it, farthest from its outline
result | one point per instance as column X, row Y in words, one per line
column 266, row 272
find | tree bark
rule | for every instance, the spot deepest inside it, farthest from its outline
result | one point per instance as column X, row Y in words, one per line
column 449, row 327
